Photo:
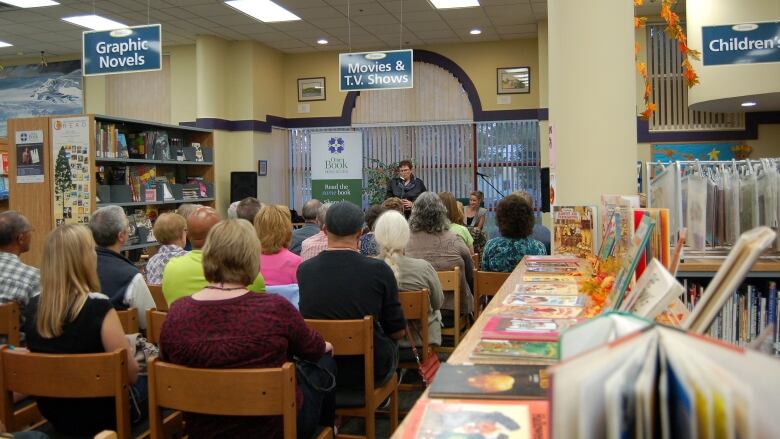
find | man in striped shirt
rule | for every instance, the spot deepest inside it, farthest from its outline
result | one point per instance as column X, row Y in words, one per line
column 19, row 282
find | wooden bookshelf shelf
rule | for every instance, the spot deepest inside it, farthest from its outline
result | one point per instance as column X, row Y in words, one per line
column 707, row 268
column 151, row 203
column 123, row 161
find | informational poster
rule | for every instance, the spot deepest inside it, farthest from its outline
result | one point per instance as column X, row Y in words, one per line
column 29, row 156
column 70, row 144
column 337, row 166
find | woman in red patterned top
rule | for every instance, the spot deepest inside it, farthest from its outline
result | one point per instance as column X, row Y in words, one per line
column 226, row 326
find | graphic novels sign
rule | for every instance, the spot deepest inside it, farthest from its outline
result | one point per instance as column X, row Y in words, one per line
column 337, row 166
column 132, row 49
column 746, row 43
column 376, row 70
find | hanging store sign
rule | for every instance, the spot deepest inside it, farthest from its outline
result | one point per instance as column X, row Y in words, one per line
column 746, row 43
column 376, row 70
column 127, row 50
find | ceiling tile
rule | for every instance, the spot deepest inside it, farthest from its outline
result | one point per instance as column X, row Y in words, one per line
column 422, row 17
column 518, row 28
column 317, row 14
column 539, row 8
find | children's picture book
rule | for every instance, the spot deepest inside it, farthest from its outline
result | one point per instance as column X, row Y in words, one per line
column 517, row 349
column 538, row 311
column 574, row 230
column 523, row 328
column 547, row 277
column 629, row 262
column 548, row 288
column 610, row 203
column 549, row 259
column 602, row 329
column 490, row 381
column 531, row 300
column 552, row 268
column 653, row 292
column 455, row 418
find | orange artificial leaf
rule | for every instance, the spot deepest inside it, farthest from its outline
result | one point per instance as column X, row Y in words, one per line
column 683, row 47
column 645, row 115
column 637, row 48
column 647, row 91
column 695, row 54
column 691, row 77
column 642, row 69
column 638, row 2
column 639, row 22
column 665, row 11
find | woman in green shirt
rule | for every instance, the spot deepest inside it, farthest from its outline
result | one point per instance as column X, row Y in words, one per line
column 456, row 219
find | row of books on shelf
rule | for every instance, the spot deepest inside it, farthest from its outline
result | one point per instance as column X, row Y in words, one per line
column 111, row 143
column 4, row 187
column 126, row 184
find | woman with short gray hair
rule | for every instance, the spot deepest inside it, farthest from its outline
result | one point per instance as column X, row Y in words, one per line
column 431, row 240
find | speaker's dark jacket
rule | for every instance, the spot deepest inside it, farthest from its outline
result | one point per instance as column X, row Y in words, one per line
column 396, row 188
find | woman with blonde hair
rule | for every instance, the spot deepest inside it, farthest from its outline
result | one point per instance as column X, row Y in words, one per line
column 391, row 232
column 71, row 317
column 273, row 226
column 225, row 326
column 455, row 216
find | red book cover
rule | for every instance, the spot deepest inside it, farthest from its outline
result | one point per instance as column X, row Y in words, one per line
column 640, row 266
column 516, row 328
column 4, row 158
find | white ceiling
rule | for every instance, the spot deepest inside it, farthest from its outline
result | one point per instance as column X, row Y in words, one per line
column 375, row 24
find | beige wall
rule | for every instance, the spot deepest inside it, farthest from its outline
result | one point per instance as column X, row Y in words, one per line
column 184, row 87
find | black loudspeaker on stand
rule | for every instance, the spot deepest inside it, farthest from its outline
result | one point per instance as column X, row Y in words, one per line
column 242, row 185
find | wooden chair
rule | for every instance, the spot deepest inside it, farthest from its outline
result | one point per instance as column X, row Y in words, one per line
column 159, row 299
column 415, row 306
column 9, row 322
column 228, row 392
column 129, row 320
column 356, row 337
column 486, row 284
column 154, row 322
column 66, row 376
column 450, row 284
column 475, row 260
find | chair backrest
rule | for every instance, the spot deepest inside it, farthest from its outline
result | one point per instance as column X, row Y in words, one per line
column 450, row 282
column 9, row 322
column 475, row 260
column 228, row 392
column 486, row 283
column 159, row 299
column 350, row 337
column 129, row 320
column 415, row 306
column 67, row 376
column 154, row 323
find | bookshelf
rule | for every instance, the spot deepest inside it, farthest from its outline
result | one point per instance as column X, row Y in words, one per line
column 92, row 161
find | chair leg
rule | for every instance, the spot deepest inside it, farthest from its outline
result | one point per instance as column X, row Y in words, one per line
column 371, row 424
column 394, row 410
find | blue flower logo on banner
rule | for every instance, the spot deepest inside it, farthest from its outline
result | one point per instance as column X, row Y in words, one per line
column 336, row 145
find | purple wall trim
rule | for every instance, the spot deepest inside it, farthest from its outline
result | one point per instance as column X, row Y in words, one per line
column 229, row 125
column 752, row 120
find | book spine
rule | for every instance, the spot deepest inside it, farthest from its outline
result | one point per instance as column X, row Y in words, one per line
column 772, row 311
column 762, row 316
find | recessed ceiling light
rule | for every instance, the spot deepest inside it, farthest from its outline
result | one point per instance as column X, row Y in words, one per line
column 322, row 41
column 4, row 44
column 94, row 22
column 263, row 10
column 475, row 31
column 749, row 104
column 29, row 3
column 452, row 4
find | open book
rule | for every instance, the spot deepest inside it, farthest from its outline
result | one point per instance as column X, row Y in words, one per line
column 743, row 255
column 662, row 382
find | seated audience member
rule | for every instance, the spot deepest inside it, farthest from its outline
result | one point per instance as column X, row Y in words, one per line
column 515, row 219
column 274, row 228
column 540, row 233
column 19, row 282
column 475, row 213
column 71, row 317
column 394, row 203
column 431, row 240
column 183, row 276
column 392, row 236
column 185, row 210
column 456, row 218
column 313, row 245
column 224, row 326
column 310, row 226
column 367, row 242
column 342, row 284
column 248, row 208
column 120, row 280
column 170, row 230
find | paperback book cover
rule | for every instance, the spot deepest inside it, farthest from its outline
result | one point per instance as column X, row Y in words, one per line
column 573, row 230
column 454, row 418
column 546, row 277
column 548, row 288
column 546, row 259
column 541, row 350
column 546, row 312
column 532, row 300
column 490, row 381
column 567, row 269
column 518, row 328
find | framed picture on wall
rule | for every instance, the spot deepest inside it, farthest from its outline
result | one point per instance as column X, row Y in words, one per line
column 513, row 80
column 262, row 168
column 311, row 89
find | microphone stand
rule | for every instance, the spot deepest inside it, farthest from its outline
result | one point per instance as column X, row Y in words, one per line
column 490, row 184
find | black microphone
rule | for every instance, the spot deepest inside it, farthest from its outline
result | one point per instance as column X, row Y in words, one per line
column 481, row 174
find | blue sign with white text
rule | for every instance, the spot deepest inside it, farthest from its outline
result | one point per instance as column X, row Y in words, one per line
column 127, row 50
column 376, row 70
column 746, row 43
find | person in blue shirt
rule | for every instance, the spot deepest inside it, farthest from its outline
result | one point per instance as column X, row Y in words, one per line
column 515, row 219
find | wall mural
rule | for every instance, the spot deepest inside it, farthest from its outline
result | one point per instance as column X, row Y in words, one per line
column 35, row 90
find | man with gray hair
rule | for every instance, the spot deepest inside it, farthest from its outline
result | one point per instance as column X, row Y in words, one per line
column 19, row 282
column 120, row 280
column 313, row 245
column 310, row 227
column 247, row 208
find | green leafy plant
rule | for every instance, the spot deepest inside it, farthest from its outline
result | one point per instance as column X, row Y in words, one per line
column 378, row 173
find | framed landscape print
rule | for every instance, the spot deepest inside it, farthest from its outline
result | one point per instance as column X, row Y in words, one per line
column 513, row 80
column 311, row 89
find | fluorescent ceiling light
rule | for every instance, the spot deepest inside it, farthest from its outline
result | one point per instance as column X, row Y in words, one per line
column 94, row 22
column 748, row 104
column 263, row 10
column 4, row 44
column 322, row 41
column 475, row 31
column 30, row 3
column 452, row 4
